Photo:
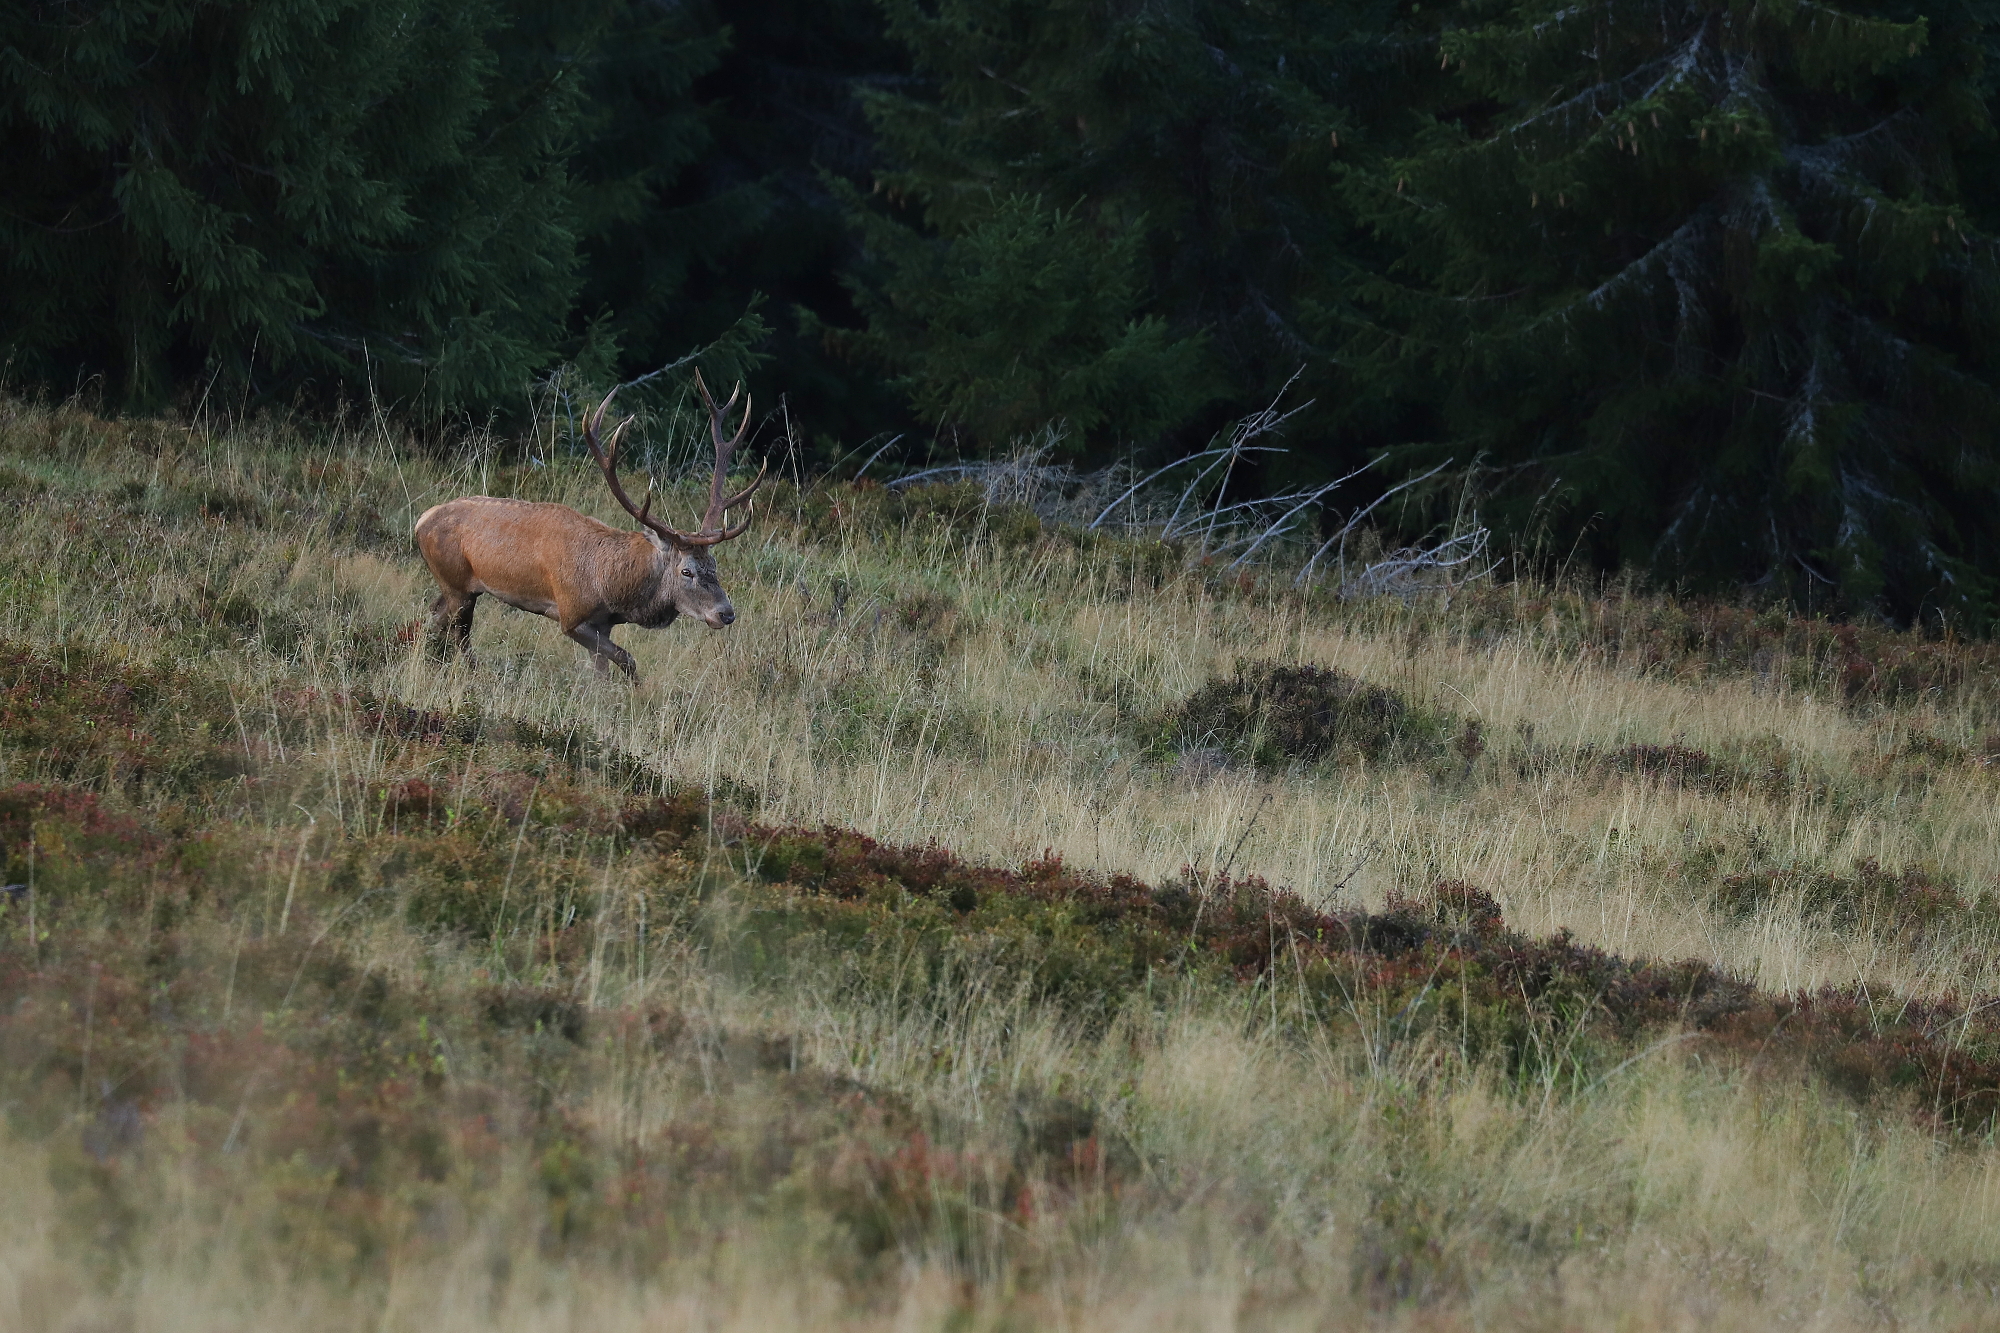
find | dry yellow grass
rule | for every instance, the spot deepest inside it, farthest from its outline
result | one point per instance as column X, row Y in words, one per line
column 1290, row 1184
column 1005, row 744
column 1670, row 1198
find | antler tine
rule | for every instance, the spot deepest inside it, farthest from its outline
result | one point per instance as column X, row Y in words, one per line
column 592, row 421
column 731, row 534
column 709, row 402
column 749, row 490
column 607, row 462
column 725, row 453
column 724, row 534
column 716, row 520
column 616, row 443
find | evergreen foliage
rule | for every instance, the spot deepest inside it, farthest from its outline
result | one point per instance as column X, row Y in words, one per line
column 782, row 108
column 1023, row 318
column 644, row 130
column 283, row 191
column 1178, row 154
column 1699, row 272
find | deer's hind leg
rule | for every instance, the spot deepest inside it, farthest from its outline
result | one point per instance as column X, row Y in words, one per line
column 451, row 622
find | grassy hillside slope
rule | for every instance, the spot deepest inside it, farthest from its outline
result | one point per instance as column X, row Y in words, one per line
column 338, row 986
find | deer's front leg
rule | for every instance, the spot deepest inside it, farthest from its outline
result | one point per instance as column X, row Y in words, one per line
column 603, row 651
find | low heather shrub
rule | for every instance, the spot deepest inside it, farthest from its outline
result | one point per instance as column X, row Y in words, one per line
column 1275, row 715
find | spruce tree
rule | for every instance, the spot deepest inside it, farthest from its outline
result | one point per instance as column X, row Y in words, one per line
column 1696, row 277
column 1023, row 318
column 1166, row 165
column 752, row 213
column 289, row 193
column 644, row 132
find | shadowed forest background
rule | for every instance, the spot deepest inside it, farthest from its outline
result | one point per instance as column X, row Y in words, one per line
column 1704, row 289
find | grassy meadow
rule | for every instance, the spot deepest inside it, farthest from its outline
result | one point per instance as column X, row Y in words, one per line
column 1000, row 926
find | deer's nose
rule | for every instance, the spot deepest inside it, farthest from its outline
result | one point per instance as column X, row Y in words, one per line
column 727, row 615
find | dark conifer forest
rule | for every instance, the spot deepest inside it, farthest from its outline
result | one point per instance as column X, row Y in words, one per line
column 1700, row 288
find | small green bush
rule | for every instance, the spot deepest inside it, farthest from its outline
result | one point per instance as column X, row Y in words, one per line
column 1274, row 716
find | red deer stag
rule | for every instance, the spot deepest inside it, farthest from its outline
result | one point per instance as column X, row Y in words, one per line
column 582, row 574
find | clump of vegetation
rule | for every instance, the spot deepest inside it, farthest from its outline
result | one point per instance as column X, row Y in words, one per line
column 1883, row 901
column 76, row 713
column 1859, row 662
column 17, row 484
column 1673, row 762
column 1275, row 715
column 1442, row 961
column 958, row 511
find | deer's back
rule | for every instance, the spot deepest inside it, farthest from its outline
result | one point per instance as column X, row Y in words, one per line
column 525, row 544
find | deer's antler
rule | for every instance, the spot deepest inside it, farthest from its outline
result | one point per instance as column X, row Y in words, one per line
column 607, row 463
column 713, row 524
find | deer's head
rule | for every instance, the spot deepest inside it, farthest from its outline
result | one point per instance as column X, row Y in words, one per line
column 686, row 563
